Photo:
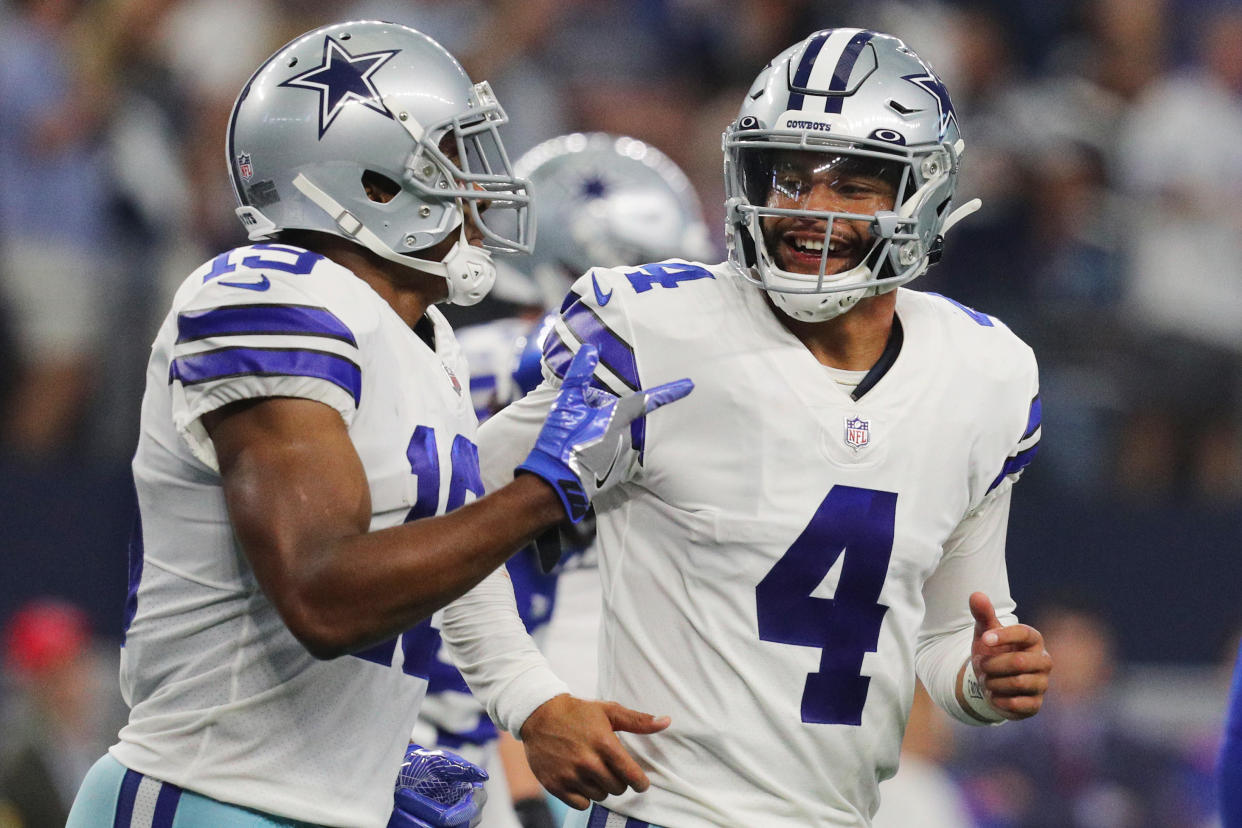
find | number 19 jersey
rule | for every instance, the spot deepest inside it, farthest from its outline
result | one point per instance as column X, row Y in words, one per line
column 224, row 700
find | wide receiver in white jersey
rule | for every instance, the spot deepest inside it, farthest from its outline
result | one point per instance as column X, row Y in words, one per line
column 307, row 475
column 824, row 518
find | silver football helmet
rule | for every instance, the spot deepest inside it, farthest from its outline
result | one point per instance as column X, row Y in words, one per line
column 381, row 102
column 842, row 103
column 606, row 201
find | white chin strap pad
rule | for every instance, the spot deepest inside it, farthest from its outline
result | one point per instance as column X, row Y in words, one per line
column 468, row 270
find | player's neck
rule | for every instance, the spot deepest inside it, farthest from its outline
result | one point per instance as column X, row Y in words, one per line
column 410, row 292
column 853, row 341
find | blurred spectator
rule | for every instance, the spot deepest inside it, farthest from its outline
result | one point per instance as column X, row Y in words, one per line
column 59, row 720
column 1079, row 765
column 499, row 41
column 54, row 210
column 923, row 792
column 1181, row 160
column 188, row 42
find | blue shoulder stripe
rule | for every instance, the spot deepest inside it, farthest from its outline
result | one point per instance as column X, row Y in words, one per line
column 1015, row 464
column 268, row 362
column 570, row 298
column 236, row 320
column 1035, row 418
column 556, row 353
column 615, row 354
column 558, row 356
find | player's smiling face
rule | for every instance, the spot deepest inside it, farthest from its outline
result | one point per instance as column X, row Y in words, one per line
column 809, row 180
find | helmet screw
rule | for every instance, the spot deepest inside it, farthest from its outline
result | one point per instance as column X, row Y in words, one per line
column 428, row 170
column 409, row 241
column 424, row 211
column 909, row 253
column 405, row 116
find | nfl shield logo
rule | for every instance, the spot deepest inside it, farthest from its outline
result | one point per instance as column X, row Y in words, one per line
column 244, row 167
column 453, row 377
column 857, row 432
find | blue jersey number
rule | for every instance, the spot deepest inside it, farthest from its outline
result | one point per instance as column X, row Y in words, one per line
column 666, row 276
column 859, row 524
column 419, row 645
column 297, row 261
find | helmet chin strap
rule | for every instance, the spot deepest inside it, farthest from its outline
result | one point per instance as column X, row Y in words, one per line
column 468, row 270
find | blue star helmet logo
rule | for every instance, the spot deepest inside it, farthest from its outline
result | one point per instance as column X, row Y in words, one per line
column 932, row 84
column 594, row 187
column 342, row 78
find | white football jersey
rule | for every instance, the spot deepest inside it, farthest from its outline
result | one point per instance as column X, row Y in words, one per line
column 785, row 553
column 225, row 701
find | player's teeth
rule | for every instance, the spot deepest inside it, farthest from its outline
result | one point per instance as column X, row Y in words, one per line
column 833, row 246
column 811, row 244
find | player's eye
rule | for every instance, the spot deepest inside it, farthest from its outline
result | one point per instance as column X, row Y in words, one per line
column 790, row 183
column 861, row 189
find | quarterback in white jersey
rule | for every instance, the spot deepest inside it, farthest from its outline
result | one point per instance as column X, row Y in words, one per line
column 308, row 480
column 824, row 518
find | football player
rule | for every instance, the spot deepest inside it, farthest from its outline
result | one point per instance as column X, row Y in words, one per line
column 824, row 518
column 307, row 474
column 601, row 198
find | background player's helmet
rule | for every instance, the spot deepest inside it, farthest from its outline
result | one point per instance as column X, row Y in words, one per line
column 606, row 201
column 374, row 99
column 857, row 97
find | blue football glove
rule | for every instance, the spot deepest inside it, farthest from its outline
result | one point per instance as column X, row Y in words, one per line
column 581, row 449
column 437, row 789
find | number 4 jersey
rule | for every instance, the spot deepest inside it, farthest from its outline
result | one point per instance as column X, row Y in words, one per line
column 225, row 701
column 785, row 554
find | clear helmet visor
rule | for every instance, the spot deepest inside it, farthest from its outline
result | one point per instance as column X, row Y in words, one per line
column 819, row 213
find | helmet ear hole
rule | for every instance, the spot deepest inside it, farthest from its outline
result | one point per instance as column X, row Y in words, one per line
column 379, row 188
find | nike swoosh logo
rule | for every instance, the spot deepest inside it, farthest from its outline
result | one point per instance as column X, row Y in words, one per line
column 600, row 297
column 599, row 481
column 263, row 284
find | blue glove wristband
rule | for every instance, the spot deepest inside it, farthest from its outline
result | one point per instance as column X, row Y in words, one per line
column 553, row 472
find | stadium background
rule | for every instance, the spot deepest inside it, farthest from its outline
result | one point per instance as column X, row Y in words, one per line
column 1104, row 137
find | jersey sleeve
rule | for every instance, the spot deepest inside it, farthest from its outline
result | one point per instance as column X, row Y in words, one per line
column 488, row 642
column 973, row 561
column 253, row 331
column 1025, row 423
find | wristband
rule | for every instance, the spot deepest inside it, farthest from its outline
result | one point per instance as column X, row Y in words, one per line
column 976, row 700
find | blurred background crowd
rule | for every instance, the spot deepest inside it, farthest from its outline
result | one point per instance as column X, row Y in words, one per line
column 1104, row 137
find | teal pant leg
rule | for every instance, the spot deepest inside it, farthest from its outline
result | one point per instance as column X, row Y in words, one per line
column 96, row 806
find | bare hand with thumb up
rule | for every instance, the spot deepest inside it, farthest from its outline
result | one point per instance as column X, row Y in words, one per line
column 1010, row 663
